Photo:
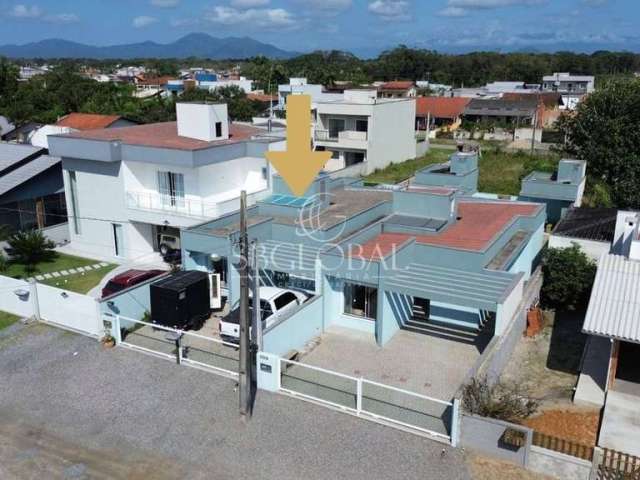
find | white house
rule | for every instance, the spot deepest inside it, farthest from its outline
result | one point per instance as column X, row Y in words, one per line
column 572, row 87
column 365, row 133
column 130, row 188
column 299, row 86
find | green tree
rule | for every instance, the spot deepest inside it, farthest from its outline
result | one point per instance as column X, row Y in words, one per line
column 8, row 78
column 30, row 248
column 568, row 277
column 605, row 131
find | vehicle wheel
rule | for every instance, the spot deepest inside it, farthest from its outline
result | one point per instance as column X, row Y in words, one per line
column 164, row 249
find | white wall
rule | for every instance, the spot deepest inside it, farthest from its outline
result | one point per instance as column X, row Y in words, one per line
column 60, row 307
column 391, row 134
column 591, row 248
column 225, row 180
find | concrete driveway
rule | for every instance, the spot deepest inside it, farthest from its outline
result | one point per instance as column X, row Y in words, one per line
column 621, row 423
column 70, row 409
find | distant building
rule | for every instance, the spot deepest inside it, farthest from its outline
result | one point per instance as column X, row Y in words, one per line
column 445, row 113
column 518, row 113
column 31, row 188
column 365, row 133
column 397, row 89
column 571, row 87
column 299, row 86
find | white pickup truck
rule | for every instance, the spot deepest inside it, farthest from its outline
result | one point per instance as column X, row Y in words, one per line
column 274, row 302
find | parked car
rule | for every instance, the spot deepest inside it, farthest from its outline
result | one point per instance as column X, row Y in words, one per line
column 168, row 243
column 128, row 279
column 274, row 303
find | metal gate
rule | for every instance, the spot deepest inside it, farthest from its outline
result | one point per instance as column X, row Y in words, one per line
column 614, row 465
column 184, row 347
column 372, row 400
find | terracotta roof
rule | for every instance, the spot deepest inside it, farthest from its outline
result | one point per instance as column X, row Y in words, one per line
column 441, row 107
column 478, row 225
column 262, row 97
column 550, row 99
column 87, row 121
column 398, row 85
column 164, row 135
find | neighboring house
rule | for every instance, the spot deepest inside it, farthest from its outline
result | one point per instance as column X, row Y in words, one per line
column 207, row 81
column 31, row 188
column 559, row 190
column 591, row 228
column 460, row 172
column 610, row 373
column 92, row 121
column 445, row 113
column 299, row 86
column 421, row 259
column 130, row 188
column 397, row 89
column 571, row 87
column 551, row 105
column 434, row 88
column 28, row 72
column 75, row 122
column 516, row 113
column 6, row 126
column 266, row 102
column 365, row 133
column 22, row 133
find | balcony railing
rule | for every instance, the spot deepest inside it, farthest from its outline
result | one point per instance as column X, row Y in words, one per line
column 188, row 207
column 332, row 136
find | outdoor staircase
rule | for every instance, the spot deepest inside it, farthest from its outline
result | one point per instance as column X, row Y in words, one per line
column 420, row 323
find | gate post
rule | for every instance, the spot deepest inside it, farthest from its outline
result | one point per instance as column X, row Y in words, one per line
column 116, row 332
column 455, row 422
column 359, row 395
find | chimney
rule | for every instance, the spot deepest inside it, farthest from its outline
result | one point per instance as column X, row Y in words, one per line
column 203, row 121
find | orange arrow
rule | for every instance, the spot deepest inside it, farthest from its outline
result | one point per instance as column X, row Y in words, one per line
column 298, row 165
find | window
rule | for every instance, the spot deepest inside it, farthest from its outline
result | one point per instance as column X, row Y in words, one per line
column 362, row 125
column 171, row 188
column 284, row 300
column 351, row 158
column 265, row 309
column 219, row 266
column 218, row 129
column 265, row 173
column 360, row 300
column 75, row 211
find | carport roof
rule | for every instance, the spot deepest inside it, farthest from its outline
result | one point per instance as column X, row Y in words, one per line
column 485, row 289
column 614, row 306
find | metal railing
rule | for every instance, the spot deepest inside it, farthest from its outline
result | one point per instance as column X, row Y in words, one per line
column 369, row 399
column 182, row 206
column 184, row 347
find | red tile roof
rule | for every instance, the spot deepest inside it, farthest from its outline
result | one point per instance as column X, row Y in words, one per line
column 441, row 107
column 164, row 135
column 87, row 121
column 262, row 97
column 398, row 85
column 155, row 80
column 478, row 225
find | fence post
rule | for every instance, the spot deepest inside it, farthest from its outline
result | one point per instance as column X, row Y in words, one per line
column 359, row 395
column 455, row 422
column 116, row 332
column 35, row 303
column 277, row 372
column 595, row 463
column 179, row 349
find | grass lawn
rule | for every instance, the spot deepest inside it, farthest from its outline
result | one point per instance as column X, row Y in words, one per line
column 81, row 282
column 7, row 319
column 61, row 262
column 500, row 172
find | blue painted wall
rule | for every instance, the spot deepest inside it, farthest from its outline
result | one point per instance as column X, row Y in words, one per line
column 296, row 330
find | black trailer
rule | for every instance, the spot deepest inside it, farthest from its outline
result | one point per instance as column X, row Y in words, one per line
column 181, row 300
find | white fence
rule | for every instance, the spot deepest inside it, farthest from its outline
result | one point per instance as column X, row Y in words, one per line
column 371, row 400
column 62, row 308
column 183, row 347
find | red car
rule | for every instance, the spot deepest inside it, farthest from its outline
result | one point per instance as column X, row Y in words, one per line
column 128, row 279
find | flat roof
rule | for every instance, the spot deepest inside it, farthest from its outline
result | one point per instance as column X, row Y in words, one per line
column 614, row 306
column 12, row 153
column 164, row 135
column 478, row 224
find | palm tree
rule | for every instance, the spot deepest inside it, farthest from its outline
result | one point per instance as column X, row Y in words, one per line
column 30, row 248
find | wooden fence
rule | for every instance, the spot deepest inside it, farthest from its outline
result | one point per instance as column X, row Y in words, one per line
column 562, row 445
column 618, row 466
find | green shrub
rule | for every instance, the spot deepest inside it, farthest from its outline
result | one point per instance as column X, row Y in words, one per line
column 568, row 278
column 30, row 248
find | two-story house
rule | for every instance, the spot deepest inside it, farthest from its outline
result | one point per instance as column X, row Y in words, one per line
column 571, row 87
column 365, row 133
column 128, row 189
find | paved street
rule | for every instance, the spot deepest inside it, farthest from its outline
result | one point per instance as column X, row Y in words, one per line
column 69, row 409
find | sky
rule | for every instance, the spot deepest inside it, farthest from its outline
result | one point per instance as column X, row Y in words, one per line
column 356, row 25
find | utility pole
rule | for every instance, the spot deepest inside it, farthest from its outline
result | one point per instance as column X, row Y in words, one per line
column 244, row 367
column 535, row 123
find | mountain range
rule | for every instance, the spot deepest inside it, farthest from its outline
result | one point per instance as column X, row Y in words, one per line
column 193, row 45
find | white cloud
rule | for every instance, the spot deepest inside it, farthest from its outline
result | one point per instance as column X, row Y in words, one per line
column 390, row 10
column 164, row 3
column 24, row 11
column 63, row 18
column 143, row 21
column 453, row 12
column 327, row 5
column 264, row 18
column 249, row 3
